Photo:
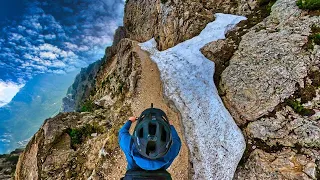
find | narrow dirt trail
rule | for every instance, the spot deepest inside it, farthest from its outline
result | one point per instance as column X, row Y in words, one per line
column 149, row 90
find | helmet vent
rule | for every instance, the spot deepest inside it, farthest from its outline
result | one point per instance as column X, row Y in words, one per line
column 141, row 133
column 151, row 147
column 163, row 134
column 152, row 129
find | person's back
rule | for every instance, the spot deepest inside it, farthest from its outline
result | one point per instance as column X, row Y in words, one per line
column 153, row 146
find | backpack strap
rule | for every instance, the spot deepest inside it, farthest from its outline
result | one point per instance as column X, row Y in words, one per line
column 147, row 175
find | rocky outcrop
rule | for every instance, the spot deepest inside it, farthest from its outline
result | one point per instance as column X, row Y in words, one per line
column 84, row 86
column 81, row 88
column 85, row 145
column 8, row 164
column 118, row 76
column 271, row 87
column 171, row 22
column 285, row 164
column 270, row 61
column 73, row 146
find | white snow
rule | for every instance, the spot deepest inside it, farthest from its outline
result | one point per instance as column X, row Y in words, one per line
column 216, row 143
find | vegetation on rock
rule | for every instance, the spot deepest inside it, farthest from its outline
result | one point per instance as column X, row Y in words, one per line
column 314, row 37
column 309, row 4
column 267, row 4
column 8, row 163
column 88, row 106
column 79, row 135
column 164, row 1
column 299, row 108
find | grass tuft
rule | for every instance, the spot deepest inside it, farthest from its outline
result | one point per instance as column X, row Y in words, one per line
column 79, row 135
column 298, row 108
column 164, row 1
column 88, row 106
column 309, row 4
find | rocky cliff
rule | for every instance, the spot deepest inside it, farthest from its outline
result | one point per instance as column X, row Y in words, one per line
column 8, row 164
column 271, row 86
column 267, row 72
column 171, row 21
column 85, row 145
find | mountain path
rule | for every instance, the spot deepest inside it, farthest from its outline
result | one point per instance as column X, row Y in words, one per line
column 149, row 90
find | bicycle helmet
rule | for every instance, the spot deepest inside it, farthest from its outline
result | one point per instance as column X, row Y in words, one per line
column 152, row 134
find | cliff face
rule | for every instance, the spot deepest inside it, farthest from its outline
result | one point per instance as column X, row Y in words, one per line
column 271, row 87
column 171, row 22
column 85, row 145
column 267, row 73
column 81, row 89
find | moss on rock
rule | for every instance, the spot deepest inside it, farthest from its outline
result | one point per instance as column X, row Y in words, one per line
column 79, row 135
column 309, row 4
column 299, row 108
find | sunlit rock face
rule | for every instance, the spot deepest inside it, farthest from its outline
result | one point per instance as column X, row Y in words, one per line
column 171, row 22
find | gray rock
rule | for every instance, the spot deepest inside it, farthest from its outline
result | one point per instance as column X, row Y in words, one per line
column 286, row 164
column 287, row 129
column 270, row 61
column 176, row 21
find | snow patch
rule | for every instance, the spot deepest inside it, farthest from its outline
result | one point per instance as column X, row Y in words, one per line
column 216, row 143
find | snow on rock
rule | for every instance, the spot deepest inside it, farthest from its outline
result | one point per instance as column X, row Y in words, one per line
column 216, row 143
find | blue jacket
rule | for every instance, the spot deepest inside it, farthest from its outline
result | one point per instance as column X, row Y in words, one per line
column 136, row 161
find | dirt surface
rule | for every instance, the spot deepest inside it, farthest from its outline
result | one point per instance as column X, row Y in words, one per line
column 149, row 90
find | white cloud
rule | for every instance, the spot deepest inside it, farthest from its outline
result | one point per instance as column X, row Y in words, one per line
column 71, row 46
column 45, row 41
column 7, row 91
column 50, row 36
column 49, row 47
column 58, row 64
column 15, row 37
column 47, row 55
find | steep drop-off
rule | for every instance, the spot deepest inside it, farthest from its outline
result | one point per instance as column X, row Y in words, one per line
column 85, row 145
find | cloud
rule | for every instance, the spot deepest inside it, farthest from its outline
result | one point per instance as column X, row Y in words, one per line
column 56, row 37
column 7, row 91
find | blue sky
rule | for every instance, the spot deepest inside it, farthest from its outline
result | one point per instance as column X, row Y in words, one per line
column 52, row 36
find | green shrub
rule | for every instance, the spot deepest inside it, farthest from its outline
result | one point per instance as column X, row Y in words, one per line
column 87, row 106
column 79, row 135
column 314, row 37
column 164, row 1
column 13, row 159
column 309, row 4
column 298, row 108
column 269, row 5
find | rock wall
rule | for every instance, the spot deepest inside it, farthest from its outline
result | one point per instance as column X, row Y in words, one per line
column 81, row 88
column 85, row 145
column 271, row 87
column 84, row 86
column 171, row 22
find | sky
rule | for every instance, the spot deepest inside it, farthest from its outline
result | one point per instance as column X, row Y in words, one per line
column 43, row 45
column 58, row 37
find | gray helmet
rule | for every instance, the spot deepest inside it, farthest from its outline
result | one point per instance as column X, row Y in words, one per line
column 152, row 134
